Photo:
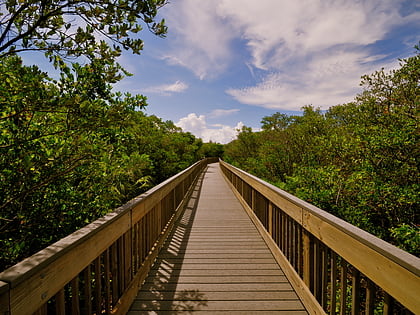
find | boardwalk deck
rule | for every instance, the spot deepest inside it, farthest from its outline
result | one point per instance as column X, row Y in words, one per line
column 216, row 262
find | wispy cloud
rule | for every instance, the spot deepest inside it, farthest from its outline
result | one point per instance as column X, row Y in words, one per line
column 308, row 52
column 200, row 38
column 197, row 125
column 222, row 112
column 168, row 89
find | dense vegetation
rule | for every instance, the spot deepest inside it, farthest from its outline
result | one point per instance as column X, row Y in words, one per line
column 72, row 149
column 359, row 161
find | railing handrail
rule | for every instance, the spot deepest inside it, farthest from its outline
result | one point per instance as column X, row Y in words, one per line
column 50, row 270
column 399, row 256
column 33, row 264
column 315, row 221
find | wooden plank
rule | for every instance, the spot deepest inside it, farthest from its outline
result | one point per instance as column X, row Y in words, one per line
column 262, row 305
column 213, row 312
column 221, row 296
column 221, row 266
column 223, row 287
column 217, row 272
column 211, row 256
column 217, row 279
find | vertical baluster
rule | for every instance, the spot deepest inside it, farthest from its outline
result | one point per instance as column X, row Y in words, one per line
column 121, row 263
column 289, row 239
column 296, row 246
column 355, row 292
column 128, row 257
column 324, row 272
column 388, row 304
column 277, row 229
column 135, row 258
column 299, row 250
column 88, row 290
column 98, row 286
column 333, row 297
column 43, row 310
column 270, row 220
column 343, row 287
column 317, row 274
column 283, row 233
column 370, row 297
column 307, row 268
column 107, row 282
column 114, row 273
column 60, row 303
column 75, row 306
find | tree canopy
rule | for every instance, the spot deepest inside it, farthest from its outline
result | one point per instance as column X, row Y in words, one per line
column 74, row 28
column 72, row 149
column 359, row 161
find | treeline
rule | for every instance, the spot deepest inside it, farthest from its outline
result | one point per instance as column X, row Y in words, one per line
column 71, row 150
column 358, row 161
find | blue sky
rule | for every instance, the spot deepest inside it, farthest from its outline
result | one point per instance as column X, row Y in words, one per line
column 229, row 63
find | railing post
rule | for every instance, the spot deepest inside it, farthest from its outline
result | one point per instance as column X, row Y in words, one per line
column 306, row 258
column 270, row 218
column 253, row 200
column 4, row 298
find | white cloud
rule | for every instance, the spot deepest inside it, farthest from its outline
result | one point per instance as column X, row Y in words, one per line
column 328, row 80
column 168, row 89
column 200, row 39
column 198, row 126
column 222, row 112
column 309, row 52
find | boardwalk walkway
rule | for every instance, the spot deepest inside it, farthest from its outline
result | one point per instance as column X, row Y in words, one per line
column 216, row 262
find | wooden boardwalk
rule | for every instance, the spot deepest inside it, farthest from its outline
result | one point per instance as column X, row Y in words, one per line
column 216, row 262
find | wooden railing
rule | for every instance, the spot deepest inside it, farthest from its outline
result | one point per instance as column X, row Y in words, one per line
column 97, row 269
column 335, row 267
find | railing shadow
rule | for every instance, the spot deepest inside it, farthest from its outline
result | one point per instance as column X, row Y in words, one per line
column 159, row 292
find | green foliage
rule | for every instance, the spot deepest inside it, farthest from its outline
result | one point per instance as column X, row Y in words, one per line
column 74, row 28
column 211, row 149
column 71, row 150
column 408, row 238
column 359, row 161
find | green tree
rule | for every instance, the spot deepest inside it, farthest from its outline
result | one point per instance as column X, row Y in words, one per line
column 74, row 28
column 211, row 149
column 359, row 161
